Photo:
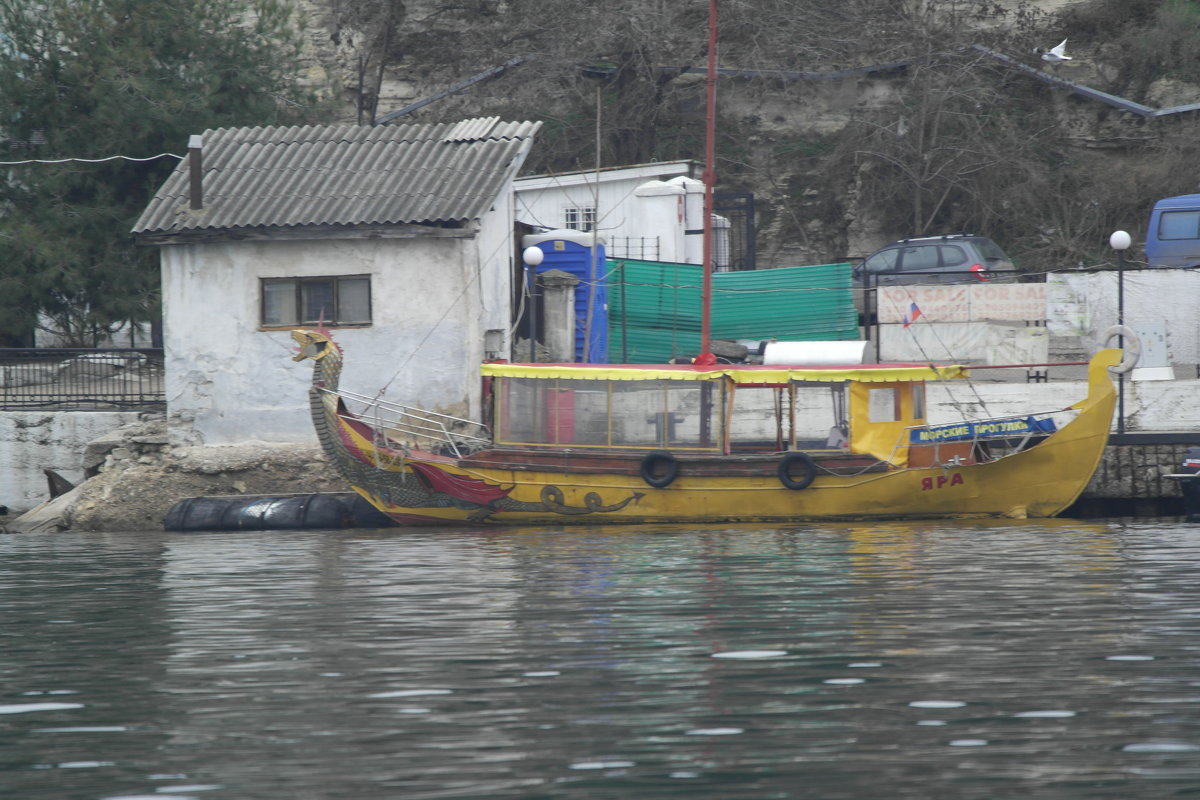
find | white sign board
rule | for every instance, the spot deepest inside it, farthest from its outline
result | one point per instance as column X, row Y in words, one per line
column 1007, row 302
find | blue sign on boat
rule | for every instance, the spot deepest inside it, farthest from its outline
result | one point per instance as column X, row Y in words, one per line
column 992, row 429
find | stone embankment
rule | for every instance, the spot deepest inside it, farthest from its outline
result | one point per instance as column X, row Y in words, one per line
column 1131, row 478
column 135, row 477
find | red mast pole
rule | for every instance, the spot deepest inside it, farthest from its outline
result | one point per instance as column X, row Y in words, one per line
column 709, row 179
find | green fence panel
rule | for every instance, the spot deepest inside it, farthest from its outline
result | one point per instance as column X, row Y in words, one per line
column 654, row 307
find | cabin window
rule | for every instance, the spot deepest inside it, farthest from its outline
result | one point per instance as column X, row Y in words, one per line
column 626, row 414
column 883, row 405
column 340, row 300
column 918, row 401
column 579, row 218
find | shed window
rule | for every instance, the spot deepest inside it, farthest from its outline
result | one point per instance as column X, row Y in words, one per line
column 579, row 218
column 334, row 300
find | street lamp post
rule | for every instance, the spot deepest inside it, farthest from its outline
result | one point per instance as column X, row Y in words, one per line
column 532, row 256
column 1120, row 241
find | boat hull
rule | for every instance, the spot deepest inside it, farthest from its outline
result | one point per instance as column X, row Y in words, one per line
column 984, row 490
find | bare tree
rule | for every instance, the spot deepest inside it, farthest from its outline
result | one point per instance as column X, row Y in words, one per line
column 366, row 32
column 920, row 133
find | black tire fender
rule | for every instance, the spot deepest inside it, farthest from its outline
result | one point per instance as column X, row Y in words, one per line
column 659, row 469
column 784, row 471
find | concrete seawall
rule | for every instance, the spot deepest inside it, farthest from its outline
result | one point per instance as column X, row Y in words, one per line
column 1130, row 482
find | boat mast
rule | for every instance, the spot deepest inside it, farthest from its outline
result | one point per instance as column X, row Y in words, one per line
column 709, row 178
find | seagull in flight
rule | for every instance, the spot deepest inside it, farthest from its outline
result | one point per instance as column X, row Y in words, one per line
column 1057, row 54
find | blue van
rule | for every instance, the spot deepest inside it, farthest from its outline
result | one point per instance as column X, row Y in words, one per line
column 1173, row 238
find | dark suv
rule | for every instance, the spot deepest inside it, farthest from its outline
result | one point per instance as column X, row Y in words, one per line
column 954, row 258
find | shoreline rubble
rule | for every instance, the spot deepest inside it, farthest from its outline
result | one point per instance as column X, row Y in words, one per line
column 134, row 476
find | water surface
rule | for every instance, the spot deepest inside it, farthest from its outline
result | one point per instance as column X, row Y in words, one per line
column 1053, row 659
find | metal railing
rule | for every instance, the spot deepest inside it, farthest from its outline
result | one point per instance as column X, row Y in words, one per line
column 640, row 248
column 425, row 430
column 70, row 379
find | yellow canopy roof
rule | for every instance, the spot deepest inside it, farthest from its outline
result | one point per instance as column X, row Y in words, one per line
column 742, row 374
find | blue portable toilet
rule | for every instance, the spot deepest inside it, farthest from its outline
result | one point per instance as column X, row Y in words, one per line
column 572, row 252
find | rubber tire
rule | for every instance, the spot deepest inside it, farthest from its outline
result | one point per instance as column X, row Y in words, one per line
column 648, row 469
column 784, row 471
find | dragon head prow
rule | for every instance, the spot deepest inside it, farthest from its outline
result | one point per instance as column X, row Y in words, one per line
column 314, row 344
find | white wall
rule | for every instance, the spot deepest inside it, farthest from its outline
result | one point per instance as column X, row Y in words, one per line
column 992, row 343
column 229, row 381
column 31, row 441
column 959, row 321
column 490, row 295
column 1085, row 305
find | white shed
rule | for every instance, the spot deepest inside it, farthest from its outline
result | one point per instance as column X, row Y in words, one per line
column 647, row 211
column 398, row 238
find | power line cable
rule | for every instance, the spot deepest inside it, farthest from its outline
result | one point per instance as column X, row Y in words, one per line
column 86, row 160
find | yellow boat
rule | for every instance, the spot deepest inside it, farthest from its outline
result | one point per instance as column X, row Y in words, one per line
column 688, row 443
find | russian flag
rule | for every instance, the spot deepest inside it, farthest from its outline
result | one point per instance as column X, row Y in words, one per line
column 912, row 315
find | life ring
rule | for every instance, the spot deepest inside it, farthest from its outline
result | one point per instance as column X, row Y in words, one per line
column 659, row 469
column 1132, row 350
column 784, row 471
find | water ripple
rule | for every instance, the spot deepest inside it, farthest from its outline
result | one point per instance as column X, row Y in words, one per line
column 1047, row 660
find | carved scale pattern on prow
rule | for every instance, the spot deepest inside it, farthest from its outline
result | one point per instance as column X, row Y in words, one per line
column 327, row 370
column 390, row 488
column 323, row 400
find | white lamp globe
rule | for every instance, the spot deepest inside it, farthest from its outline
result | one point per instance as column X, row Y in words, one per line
column 533, row 255
column 1119, row 240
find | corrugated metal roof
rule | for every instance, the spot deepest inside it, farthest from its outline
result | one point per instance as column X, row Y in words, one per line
column 285, row 177
column 654, row 307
